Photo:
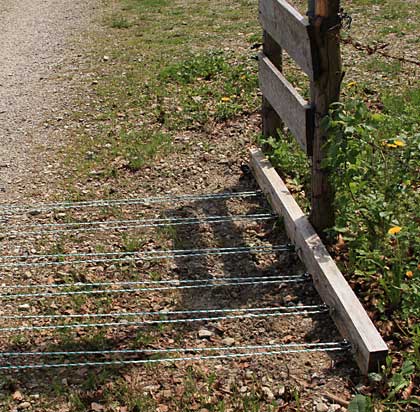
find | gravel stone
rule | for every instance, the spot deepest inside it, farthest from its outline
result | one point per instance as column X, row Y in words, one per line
column 321, row 407
column 205, row 334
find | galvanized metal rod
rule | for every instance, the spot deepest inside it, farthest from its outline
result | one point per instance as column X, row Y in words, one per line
column 286, row 309
column 215, row 278
column 160, row 322
column 177, row 359
column 138, row 256
column 79, row 227
column 318, row 345
column 150, row 289
column 10, row 208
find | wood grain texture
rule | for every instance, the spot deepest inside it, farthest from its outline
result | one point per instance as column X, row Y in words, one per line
column 325, row 90
column 271, row 121
column 351, row 319
column 295, row 112
column 290, row 30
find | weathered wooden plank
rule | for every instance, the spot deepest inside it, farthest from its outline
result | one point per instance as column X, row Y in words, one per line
column 271, row 121
column 295, row 112
column 291, row 31
column 351, row 319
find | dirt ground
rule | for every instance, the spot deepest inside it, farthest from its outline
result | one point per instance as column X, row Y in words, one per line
column 40, row 45
column 38, row 39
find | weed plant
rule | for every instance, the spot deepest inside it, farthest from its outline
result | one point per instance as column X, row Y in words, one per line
column 374, row 158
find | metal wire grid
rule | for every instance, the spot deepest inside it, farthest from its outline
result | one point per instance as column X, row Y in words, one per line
column 206, row 314
column 301, row 309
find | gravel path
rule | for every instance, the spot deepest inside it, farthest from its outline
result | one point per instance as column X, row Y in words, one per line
column 36, row 38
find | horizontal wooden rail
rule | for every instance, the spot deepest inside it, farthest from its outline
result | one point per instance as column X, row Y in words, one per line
column 291, row 31
column 295, row 112
column 351, row 319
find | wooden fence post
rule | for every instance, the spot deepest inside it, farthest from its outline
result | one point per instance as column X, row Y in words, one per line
column 271, row 121
column 315, row 47
column 325, row 89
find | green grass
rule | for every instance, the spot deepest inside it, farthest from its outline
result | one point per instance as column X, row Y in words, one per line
column 119, row 22
column 165, row 75
column 388, row 68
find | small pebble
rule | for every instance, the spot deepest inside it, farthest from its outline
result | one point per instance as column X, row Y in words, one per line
column 228, row 341
column 321, row 407
column 268, row 393
column 204, row 334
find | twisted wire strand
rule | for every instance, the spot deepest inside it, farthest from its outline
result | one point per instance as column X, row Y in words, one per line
column 153, row 282
column 131, row 224
column 291, row 309
column 148, row 252
column 153, row 289
column 338, row 348
column 119, row 202
column 161, row 321
column 139, row 256
column 319, row 345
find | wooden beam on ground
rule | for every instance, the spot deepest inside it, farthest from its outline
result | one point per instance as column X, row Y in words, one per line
column 291, row 31
column 295, row 112
column 349, row 315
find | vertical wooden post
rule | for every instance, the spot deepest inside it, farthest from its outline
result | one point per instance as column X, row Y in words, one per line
column 325, row 89
column 271, row 121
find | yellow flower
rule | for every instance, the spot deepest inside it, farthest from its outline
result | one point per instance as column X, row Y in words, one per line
column 394, row 230
column 225, row 99
column 351, row 84
column 409, row 274
column 243, row 77
column 394, row 144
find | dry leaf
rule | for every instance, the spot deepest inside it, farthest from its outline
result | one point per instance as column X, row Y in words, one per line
column 17, row 396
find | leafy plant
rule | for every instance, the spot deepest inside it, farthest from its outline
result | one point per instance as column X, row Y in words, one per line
column 205, row 66
column 372, row 158
column 291, row 162
column 360, row 403
column 400, row 380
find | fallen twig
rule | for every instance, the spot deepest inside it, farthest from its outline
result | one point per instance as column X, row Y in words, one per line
column 377, row 49
column 336, row 399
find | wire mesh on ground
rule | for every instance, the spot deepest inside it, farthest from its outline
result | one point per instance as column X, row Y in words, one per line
column 21, row 221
